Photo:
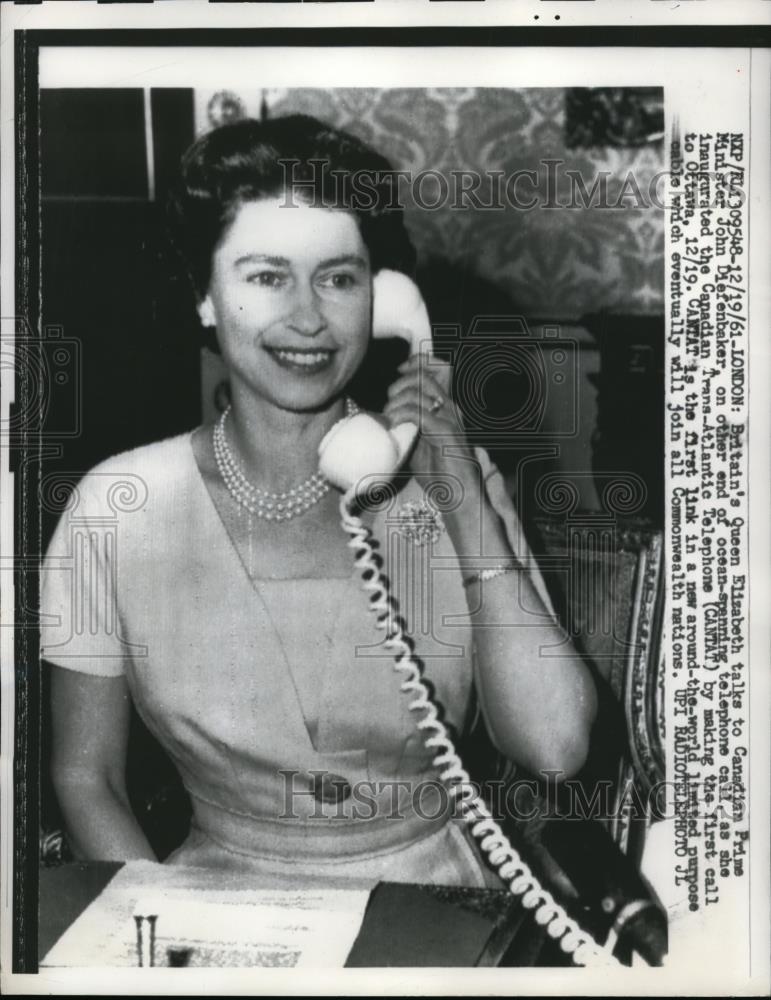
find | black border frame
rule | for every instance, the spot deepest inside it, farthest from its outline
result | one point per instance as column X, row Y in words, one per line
column 26, row 446
column 495, row 36
column 24, row 461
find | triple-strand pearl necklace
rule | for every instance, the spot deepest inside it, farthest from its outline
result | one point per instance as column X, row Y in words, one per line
column 261, row 503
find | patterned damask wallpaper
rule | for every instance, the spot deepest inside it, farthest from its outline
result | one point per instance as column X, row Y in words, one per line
column 557, row 263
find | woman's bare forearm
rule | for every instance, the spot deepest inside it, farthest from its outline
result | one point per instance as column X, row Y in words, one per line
column 99, row 821
column 536, row 693
column 91, row 716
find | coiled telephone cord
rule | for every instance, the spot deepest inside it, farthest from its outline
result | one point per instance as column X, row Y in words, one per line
column 581, row 947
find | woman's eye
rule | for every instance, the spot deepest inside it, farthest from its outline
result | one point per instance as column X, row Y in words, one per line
column 341, row 280
column 266, row 279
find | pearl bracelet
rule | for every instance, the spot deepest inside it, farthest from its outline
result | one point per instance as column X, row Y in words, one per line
column 489, row 574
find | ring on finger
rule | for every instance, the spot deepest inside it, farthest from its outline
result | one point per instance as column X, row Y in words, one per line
column 437, row 404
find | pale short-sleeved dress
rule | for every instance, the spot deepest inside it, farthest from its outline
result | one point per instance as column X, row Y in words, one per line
column 142, row 579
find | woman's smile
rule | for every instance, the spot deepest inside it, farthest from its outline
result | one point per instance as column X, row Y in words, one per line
column 305, row 361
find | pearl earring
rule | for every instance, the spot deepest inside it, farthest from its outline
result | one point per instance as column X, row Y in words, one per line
column 206, row 313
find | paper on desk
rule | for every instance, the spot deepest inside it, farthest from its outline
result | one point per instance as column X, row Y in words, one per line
column 226, row 927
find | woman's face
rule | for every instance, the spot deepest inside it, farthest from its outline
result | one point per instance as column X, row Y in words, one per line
column 290, row 295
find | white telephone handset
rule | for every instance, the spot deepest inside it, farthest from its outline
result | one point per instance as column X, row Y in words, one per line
column 359, row 447
column 354, row 449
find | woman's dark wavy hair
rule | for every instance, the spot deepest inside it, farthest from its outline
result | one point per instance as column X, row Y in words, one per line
column 297, row 156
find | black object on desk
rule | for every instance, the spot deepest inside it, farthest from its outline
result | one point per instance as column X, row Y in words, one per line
column 65, row 892
column 427, row 925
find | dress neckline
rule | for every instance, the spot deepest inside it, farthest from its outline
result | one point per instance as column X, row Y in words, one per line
column 312, row 730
